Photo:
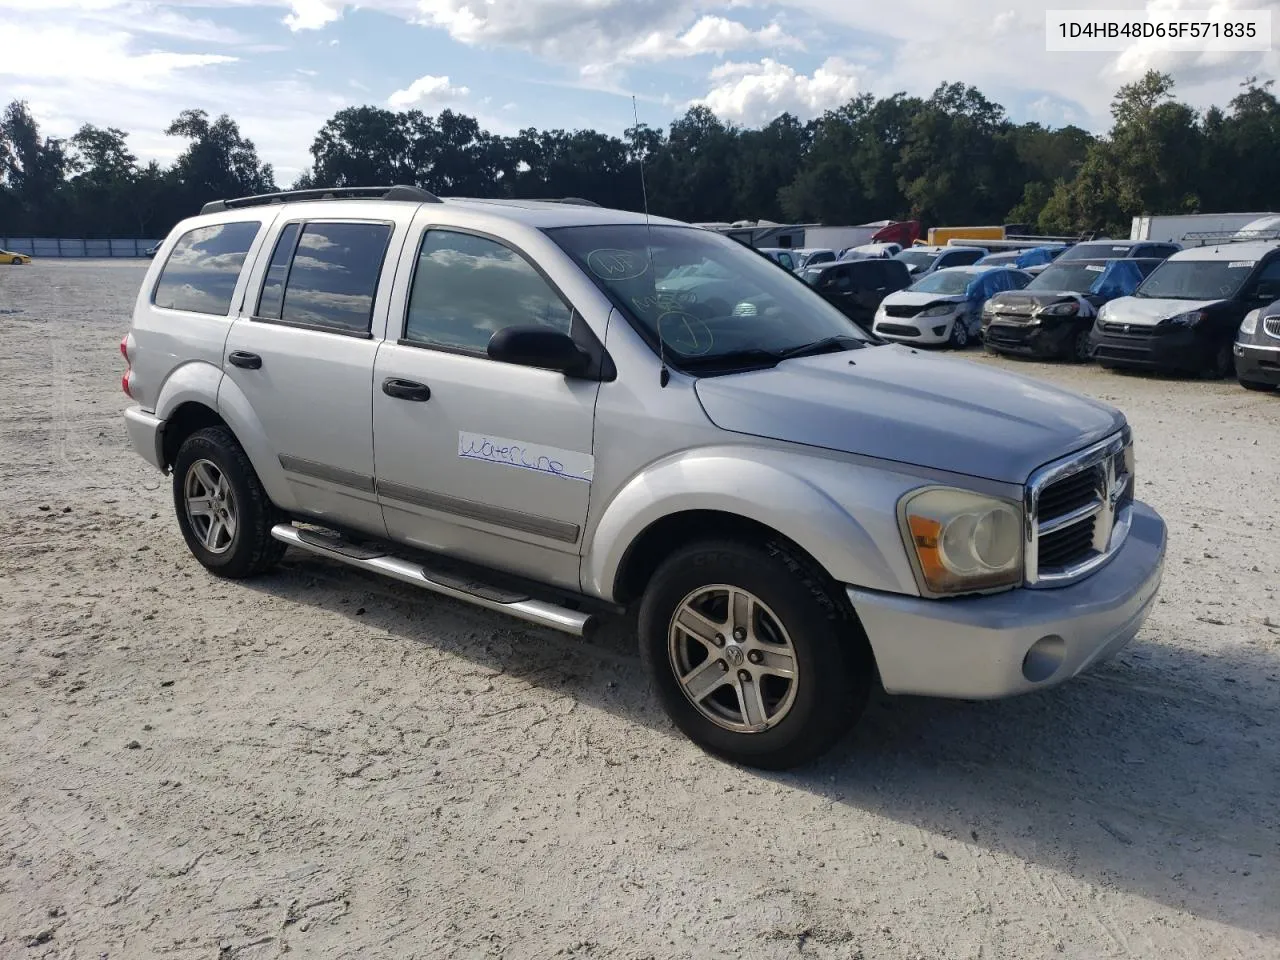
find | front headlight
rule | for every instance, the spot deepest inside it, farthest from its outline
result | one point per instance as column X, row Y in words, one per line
column 1068, row 309
column 939, row 311
column 1184, row 319
column 1250, row 324
column 962, row 542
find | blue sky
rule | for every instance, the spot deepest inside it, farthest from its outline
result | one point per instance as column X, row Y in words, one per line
column 281, row 67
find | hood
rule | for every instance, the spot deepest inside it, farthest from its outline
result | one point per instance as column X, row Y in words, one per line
column 894, row 403
column 1148, row 312
column 1023, row 303
column 909, row 298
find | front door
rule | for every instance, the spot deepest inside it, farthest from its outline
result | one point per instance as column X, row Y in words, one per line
column 301, row 357
column 486, row 461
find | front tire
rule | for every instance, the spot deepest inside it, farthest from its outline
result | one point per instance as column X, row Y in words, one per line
column 1223, row 364
column 223, row 511
column 753, row 653
column 1078, row 349
column 959, row 338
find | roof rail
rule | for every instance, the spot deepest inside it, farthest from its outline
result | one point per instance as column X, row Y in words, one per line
column 1233, row 236
column 398, row 192
column 576, row 201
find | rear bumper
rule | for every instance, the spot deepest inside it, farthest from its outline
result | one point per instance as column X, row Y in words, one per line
column 145, row 435
column 980, row 648
column 1258, row 364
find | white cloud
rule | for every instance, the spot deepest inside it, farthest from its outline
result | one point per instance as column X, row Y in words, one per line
column 756, row 93
column 427, row 91
column 312, row 14
column 93, row 55
column 711, row 35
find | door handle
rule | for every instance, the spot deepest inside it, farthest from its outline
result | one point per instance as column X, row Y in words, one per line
column 406, row 390
column 246, row 361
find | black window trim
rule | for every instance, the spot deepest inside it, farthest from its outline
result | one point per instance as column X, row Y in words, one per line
column 601, row 366
column 288, row 269
column 231, row 305
column 324, row 327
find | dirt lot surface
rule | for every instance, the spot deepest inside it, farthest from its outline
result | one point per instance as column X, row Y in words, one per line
column 327, row 765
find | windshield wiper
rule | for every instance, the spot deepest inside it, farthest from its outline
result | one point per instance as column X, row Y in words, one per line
column 825, row 345
column 750, row 358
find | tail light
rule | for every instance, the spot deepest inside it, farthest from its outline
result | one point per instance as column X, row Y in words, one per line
column 124, row 380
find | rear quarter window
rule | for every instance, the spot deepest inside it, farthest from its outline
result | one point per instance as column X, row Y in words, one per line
column 201, row 273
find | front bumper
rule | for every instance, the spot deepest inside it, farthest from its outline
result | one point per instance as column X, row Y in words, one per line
column 1046, row 340
column 1258, row 364
column 914, row 329
column 1182, row 350
column 145, row 431
column 979, row 648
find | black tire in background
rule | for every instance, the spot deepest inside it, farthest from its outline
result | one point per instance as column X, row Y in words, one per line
column 1259, row 387
column 835, row 665
column 251, row 550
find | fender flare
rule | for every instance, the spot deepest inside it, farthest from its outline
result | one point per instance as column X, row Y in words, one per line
column 234, row 407
column 815, row 521
column 193, row 382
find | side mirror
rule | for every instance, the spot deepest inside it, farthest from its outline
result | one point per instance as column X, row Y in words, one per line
column 536, row 346
column 1269, row 291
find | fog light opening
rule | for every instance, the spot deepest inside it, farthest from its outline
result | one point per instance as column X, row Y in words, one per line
column 1044, row 658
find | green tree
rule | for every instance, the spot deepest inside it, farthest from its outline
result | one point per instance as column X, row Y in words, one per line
column 219, row 162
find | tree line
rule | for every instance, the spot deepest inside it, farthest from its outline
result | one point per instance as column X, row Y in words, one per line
column 952, row 158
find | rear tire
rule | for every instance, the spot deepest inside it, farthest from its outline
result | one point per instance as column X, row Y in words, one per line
column 223, row 511
column 757, row 608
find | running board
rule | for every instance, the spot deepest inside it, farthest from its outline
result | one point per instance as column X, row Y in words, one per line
column 538, row 612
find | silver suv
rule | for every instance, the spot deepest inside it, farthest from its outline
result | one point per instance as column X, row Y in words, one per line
column 559, row 411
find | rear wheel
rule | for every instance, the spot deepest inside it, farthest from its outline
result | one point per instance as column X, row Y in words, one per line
column 223, row 511
column 753, row 655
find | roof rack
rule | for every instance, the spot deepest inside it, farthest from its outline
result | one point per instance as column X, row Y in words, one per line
column 575, row 201
column 1232, row 236
column 398, row 192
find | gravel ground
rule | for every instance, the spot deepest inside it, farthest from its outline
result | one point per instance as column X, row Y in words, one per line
column 329, row 765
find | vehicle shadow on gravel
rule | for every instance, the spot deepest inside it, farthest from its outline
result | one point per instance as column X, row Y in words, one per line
column 1168, row 791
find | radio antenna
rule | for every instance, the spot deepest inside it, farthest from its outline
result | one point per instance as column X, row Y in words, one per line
column 664, row 375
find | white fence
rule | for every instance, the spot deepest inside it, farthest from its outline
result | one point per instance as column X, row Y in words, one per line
column 45, row 247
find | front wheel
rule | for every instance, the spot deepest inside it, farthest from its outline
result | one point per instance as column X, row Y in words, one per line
column 754, row 656
column 959, row 334
column 1079, row 350
column 1222, row 365
column 223, row 511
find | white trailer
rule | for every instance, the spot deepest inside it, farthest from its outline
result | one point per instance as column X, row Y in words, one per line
column 840, row 238
column 1174, row 229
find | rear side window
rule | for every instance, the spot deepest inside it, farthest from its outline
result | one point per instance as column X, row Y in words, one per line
column 898, row 276
column 331, row 280
column 467, row 288
column 201, row 273
column 962, row 258
column 786, row 261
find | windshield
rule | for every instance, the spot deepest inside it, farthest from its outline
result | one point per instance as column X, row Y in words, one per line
column 949, row 283
column 1196, row 279
column 916, row 258
column 734, row 303
column 1068, row 277
column 1096, row 251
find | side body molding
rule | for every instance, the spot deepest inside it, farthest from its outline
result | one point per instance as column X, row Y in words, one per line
column 853, row 534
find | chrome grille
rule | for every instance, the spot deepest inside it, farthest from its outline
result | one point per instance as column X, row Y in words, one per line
column 1271, row 325
column 1078, row 512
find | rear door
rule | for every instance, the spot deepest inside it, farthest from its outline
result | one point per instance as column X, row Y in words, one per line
column 301, row 359
column 868, row 287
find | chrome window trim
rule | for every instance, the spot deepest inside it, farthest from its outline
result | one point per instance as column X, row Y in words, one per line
column 1112, row 519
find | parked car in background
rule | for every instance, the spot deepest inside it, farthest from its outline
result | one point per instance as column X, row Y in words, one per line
column 871, row 251
column 1117, row 249
column 1185, row 315
column 13, row 259
column 922, row 261
column 812, row 256
column 799, row 511
column 946, row 306
column 152, row 251
column 780, row 255
column 1257, row 349
column 858, row 287
column 1030, row 259
column 1052, row 317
